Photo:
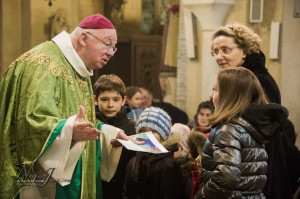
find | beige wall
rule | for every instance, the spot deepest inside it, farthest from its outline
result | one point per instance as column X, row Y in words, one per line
column 132, row 20
column 194, row 96
column 23, row 24
column 10, row 42
column 290, row 68
column 88, row 7
column 40, row 11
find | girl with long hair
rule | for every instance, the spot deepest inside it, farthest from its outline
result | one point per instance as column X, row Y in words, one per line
column 234, row 158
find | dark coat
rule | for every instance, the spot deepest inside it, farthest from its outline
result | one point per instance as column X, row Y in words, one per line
column 292, row 155
column 234, row 163
column 256, row 63
column 113, row 188
column 191, row 176
column 234, row 159
column 153, row 176
column 279, row 151
column 283, row 155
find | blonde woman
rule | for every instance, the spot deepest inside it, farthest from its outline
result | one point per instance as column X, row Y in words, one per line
column 236, row 45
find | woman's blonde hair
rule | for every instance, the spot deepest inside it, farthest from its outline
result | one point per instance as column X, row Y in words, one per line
column 238, row 89
column 243, row 36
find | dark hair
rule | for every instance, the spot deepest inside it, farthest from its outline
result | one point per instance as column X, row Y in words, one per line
column 109, row 83
column 206, row 104
column 131, row 91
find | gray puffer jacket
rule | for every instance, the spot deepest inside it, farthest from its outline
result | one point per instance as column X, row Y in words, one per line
column 234, row 162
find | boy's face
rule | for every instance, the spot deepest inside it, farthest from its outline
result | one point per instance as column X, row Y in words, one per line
column 109, row 103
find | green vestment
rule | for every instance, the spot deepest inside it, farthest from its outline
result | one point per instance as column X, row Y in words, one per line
column 38, row 91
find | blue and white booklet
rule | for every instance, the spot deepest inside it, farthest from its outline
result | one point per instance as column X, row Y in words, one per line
column 145, row 142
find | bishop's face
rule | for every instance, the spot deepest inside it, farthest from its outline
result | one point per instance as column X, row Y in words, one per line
column 99, row 48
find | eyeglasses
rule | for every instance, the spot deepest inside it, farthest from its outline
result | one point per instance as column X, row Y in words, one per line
column 104, row 44
column 224, row 51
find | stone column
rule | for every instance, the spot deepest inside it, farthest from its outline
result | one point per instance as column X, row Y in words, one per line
column 182, row 62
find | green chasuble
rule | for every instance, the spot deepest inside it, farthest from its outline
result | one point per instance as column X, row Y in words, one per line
column 39, row 91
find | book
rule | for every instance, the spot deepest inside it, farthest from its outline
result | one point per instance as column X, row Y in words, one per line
column 145, row 142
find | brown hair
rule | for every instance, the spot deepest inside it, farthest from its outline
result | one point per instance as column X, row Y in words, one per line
column 238, row 89
column 206, row 104
column 131, row 91
column 243, row 36
column 109, row 83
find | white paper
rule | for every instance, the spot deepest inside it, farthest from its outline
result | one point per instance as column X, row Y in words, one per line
column 145, row 142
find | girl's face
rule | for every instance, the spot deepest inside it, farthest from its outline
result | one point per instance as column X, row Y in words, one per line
column 136, row 100
column 215, row 93
column 227, row 53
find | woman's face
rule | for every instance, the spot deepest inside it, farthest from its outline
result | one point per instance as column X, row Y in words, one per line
column 227, row 53
column 215, row 94
column 202, row 117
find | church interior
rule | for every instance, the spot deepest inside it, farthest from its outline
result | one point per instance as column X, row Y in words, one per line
column 164, row 45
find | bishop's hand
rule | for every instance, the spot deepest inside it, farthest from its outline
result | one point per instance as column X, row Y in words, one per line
column 83, row 130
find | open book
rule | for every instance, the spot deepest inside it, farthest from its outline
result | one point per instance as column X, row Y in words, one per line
column 145, row 142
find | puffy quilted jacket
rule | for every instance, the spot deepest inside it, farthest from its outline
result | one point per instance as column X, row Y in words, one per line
column 234, row 164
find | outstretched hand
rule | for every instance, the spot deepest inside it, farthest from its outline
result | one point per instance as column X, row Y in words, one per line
column 83, row 130
column 121, row 135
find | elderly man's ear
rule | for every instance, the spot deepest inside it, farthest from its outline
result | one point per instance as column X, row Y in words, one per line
column 82, row 39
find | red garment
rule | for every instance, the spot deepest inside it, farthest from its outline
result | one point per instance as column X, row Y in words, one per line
column 205, row 131
column 196, row 179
